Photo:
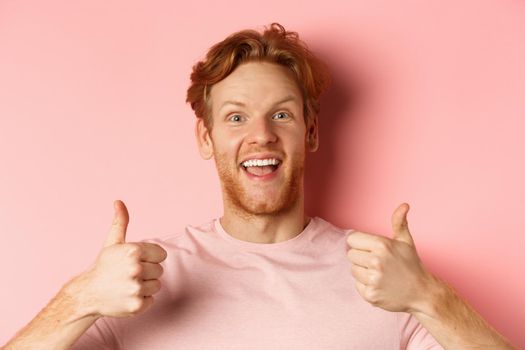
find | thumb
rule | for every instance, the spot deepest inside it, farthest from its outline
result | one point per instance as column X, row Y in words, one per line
column 400, row 225
column 117, row 233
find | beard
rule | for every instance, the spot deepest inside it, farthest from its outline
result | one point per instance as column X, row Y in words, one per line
column 260, row 199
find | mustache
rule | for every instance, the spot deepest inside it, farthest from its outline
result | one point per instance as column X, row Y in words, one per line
column 275, row 151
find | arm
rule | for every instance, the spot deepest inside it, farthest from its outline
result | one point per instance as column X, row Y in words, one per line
column 60, row 323
column 120, row 284
column 454, row 323
column 389, row 274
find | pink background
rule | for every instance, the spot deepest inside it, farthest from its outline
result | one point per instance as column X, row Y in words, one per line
column 428, row 108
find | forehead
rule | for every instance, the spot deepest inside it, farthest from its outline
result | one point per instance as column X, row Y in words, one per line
column 257, row 84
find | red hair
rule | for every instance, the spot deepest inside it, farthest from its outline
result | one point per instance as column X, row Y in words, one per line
column 275, row 45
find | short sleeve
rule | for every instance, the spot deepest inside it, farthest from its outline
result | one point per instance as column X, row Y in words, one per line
column 98, row 336
column 414, row 336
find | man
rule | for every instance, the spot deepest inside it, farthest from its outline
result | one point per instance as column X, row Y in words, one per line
column 264, row 275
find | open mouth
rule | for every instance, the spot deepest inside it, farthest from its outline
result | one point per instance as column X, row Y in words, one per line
column 261, row 167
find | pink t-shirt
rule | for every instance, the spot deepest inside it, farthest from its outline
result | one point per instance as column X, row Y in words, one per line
column 219, row 292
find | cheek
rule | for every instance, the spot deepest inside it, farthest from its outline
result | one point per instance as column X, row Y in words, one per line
column 227, row 150
column 296, row 145
column 224, row 141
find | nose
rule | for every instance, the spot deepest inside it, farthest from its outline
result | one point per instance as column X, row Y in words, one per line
column 261, row 132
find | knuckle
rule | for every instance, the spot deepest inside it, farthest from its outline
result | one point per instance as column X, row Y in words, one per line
column 384, row 247
column 375, row 263
column 136, row 270
column 135, row 305
column 133, row 250
column 135, row 288
column 371, row 296
column 374, row 279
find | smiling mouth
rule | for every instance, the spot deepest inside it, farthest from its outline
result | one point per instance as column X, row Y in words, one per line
column 261, row 167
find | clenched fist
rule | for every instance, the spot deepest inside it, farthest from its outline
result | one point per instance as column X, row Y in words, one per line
column 125, row 275
column 388, row 272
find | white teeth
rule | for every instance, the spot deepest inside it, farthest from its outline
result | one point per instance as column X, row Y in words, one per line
column 260, row 162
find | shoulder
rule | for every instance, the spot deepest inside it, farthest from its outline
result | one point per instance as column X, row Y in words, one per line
column 177, row 237
column 328, row 234
column 328, row 227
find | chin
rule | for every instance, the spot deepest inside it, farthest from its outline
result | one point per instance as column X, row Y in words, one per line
column 250, row 199
column 265, row 203
column 263, row 209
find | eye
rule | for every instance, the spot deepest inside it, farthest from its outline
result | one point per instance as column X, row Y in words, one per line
column 281, row 115
column 235, row 118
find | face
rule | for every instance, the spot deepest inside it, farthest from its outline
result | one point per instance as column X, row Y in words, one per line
column 258, row 138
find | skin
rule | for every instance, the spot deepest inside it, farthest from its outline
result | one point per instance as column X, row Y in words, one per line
column 388, row 271
column 274, row 210
column 121, row 283
column 389, row 274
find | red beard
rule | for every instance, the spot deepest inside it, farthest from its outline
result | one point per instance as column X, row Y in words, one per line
column 279, row 200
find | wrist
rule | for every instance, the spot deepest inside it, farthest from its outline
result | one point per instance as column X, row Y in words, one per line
column 77, row 290
column 432, row 293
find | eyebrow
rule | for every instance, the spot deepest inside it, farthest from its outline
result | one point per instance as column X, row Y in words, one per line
column 238, row 103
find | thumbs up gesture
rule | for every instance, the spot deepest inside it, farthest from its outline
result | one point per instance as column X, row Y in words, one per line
column 388, row 272
column 125, row 275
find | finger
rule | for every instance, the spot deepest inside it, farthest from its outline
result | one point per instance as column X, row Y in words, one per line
column 361, row 288
column 117, row 232
column 152, row 252
column 359, row 257
column 146, row 303
column 400, row 224
column 150, row 287
column 360, row 273
column 364, row 241
column 151, row 271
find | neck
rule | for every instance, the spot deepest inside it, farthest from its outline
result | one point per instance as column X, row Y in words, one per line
column 265, row 228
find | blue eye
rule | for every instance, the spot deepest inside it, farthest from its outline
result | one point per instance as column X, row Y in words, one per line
column 285, row 115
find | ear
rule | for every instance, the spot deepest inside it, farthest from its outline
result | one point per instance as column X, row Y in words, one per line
column 312, row 134
column 203, row 139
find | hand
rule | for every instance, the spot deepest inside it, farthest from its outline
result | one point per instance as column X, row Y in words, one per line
column 125, row 275
column 389, row 274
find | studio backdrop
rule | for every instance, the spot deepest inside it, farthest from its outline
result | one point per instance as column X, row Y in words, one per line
column 427, row 107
